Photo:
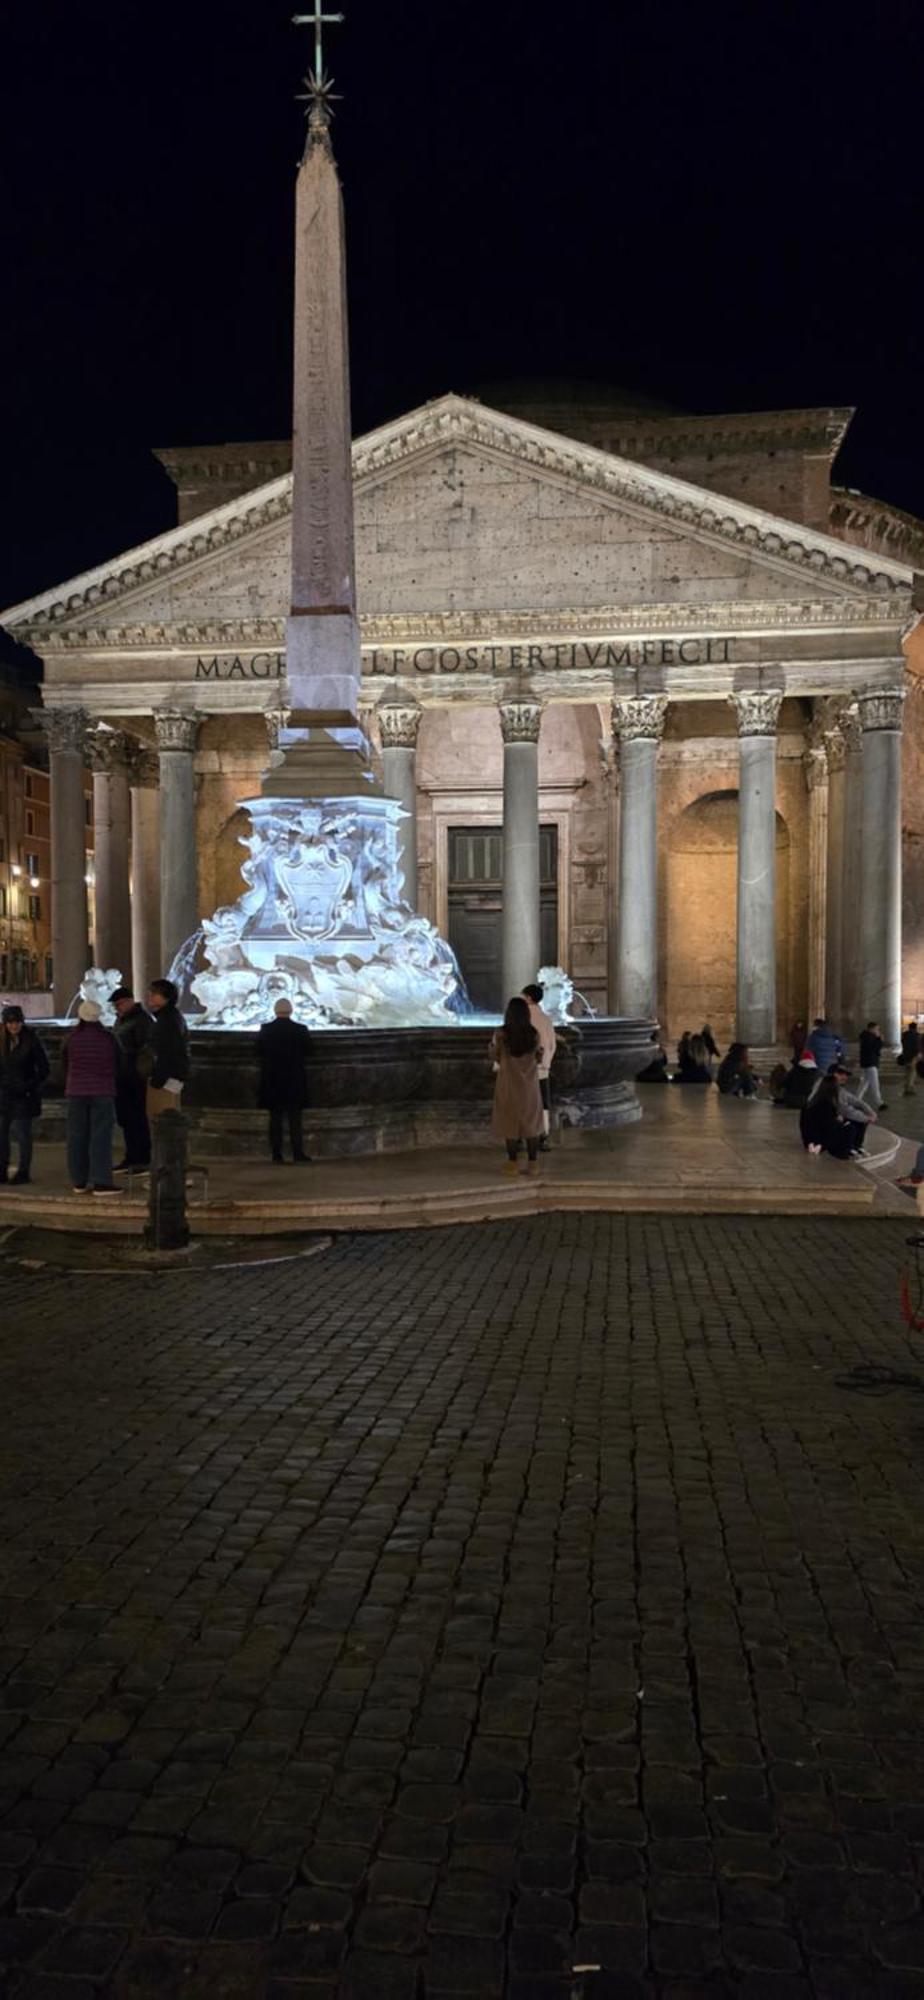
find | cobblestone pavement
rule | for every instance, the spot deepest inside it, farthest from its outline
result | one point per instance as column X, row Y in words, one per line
column 522, row 1609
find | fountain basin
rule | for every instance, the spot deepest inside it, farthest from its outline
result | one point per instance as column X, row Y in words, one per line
column 381, row 1089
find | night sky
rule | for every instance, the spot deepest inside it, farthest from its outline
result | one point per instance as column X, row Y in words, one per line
column 716, row 206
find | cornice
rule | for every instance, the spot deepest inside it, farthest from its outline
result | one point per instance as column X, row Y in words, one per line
column 418, row 627
column 454, row 421
column 678, row 437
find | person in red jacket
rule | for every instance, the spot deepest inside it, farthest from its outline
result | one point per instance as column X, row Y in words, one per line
column 90, row 1089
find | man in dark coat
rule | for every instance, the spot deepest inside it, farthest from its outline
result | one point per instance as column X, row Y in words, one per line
column 169, row 1050
column 134, row 1033
column 23, row 1070
column 282, row 1046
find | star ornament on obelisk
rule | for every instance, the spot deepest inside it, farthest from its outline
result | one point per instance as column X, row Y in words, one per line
column 323, row 660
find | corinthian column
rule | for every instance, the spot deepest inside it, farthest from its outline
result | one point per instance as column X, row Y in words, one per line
column 109, row 755
column 851, row 998
column 520, row 947
column 756, row 938
column 815, row 766
column 176, row 743
column 66, row 730
column 399, row 724
column 881, row 935
column 638, row 722
column 145, row 809
column 835, row 750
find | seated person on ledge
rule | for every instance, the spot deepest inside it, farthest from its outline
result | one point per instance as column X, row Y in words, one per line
column 799, row 1080
column 821, row 1125
column 736, row 1078
column 656, row 1070
column 694, row 1061
column 855, row 1109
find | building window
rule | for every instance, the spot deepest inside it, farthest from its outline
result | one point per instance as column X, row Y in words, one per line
column 28, row 784
column 30, row 822
column 88, row 810
column 32, row 864
column 49, row 971
column 35, row 909
column 4, row 901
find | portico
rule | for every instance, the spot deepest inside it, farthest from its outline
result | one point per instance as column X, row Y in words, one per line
column 705, row 701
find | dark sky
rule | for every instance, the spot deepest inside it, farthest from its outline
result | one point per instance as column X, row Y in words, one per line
column 719, row 205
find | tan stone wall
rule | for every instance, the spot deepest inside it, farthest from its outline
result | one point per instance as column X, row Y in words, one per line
column 231, row 758
column 913, row 842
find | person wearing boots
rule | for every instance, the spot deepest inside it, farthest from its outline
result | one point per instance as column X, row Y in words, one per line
column 282, row 1050
column 23, row 1070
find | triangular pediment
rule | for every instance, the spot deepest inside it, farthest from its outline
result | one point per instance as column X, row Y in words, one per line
column 459, row 507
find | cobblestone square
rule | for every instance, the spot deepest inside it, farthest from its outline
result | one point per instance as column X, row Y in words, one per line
column 518, row 1610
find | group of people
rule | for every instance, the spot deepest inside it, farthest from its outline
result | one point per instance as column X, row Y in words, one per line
column 126, row 1075
column 699, row 1061
column 833, row 1117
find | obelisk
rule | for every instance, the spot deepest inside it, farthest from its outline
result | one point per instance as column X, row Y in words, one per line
column 323, row 660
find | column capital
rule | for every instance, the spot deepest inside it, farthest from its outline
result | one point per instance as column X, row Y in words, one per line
column 881, row 708
column 108, row 750
column 399, row 723
column 757, row 710
column 143, row 768
column 835, row 748
column 275, row 721
column 815, row 767
column 851, row 729
column 65, row 728
column 520, row 720
column 639, row 717
column 177, row 728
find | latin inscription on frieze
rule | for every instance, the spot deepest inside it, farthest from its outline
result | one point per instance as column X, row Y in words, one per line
column 566, row 657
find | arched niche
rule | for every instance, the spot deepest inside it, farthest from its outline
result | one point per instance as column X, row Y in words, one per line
column 702, row 875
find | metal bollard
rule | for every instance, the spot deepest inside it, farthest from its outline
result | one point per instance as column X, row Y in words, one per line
column 167, row 1227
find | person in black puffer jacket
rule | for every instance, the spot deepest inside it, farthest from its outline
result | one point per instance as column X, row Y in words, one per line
column 23, row 1070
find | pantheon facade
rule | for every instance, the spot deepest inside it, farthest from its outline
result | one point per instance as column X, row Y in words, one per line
column 645, row 684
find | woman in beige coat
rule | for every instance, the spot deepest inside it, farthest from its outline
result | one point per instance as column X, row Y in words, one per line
column 517, row 1113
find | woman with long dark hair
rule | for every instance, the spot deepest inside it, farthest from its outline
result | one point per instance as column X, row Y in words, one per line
column 517, row 1112
column 822, row 1128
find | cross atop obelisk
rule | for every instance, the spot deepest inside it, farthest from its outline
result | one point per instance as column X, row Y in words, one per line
column 319, row 92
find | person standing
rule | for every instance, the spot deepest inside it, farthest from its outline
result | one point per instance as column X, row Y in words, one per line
column 282, row 1049
column 911, row 1049
column 545, row 1029
column 870, row 1054
column 797, row 1038
column 134, row 1033
column 825, row 1045
column 710, row 1045
column 23, row 1070
column 90, row 1088
column 169, row 1050
column 517, row 1111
